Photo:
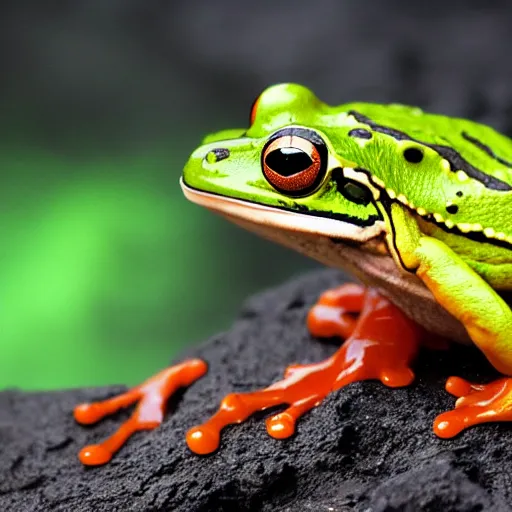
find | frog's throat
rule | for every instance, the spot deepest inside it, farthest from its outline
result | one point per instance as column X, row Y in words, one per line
column 269, row 217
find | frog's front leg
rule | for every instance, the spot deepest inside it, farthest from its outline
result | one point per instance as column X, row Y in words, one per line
column 381, row 344
column 484, row 314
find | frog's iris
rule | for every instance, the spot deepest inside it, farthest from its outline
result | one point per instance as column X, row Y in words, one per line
column 294, row 161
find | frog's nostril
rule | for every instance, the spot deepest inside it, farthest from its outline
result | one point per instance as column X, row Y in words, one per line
column 216, row 155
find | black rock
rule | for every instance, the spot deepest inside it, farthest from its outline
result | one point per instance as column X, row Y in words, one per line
column 366, row 447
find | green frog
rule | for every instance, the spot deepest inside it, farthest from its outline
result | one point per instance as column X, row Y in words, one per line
column 416, row 206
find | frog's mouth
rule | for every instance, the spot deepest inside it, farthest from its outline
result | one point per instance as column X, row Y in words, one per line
column 280, row 218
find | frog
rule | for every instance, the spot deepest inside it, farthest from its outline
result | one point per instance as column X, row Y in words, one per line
column 414, row 205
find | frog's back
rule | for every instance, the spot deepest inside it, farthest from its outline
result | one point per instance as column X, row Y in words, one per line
column 480, row 145
column 480, row 231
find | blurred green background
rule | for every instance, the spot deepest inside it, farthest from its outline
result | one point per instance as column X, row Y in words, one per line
column 106, row 272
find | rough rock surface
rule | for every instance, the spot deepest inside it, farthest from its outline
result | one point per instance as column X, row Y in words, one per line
column 366, row 447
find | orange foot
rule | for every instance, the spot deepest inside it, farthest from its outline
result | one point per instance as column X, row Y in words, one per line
column 477, row 403
column 381, row 344
column 152, row 396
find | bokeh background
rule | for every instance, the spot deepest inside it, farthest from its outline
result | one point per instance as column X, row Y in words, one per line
column 106, row 272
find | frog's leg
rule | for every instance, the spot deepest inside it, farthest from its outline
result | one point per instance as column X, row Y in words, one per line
column 486, row 317
column 381, row 344
column 151, row 396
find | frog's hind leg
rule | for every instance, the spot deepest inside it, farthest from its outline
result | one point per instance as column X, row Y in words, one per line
column 485, row 315
column 381, row 343
column 488, row 321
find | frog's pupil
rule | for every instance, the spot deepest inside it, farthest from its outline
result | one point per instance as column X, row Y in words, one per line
column 288, row 161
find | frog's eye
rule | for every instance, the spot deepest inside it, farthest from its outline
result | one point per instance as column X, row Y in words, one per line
column 294, row 161
column 254, row 109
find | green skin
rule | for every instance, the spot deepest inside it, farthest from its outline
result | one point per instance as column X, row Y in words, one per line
column 447, row 216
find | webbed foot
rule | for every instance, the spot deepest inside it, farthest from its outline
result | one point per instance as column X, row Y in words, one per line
column 151, row 396
column 476, row 403
column 381, row 344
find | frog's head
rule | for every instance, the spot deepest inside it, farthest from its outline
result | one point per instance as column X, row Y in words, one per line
column 311, row 168
column 284, row 173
